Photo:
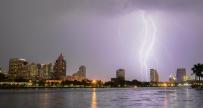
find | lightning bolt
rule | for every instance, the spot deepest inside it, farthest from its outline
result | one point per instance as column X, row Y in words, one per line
column 148, row 43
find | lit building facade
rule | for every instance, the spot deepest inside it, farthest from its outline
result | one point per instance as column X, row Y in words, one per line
column 82, row 70
column 180, row 75
column 47, row 71
column 18, row 68
column 74, row 78
column 60, row 68
column 120, row 74
column 154, row 76
column 33, row 70
column 39, row 71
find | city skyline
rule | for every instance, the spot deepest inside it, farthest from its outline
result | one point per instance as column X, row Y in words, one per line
column 101, row 53
column 28, row 68
column 105, row 35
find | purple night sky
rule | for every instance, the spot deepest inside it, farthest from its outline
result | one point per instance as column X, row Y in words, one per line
column 103, row 35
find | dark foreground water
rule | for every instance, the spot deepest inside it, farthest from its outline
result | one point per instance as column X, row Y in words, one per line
column 102, row 98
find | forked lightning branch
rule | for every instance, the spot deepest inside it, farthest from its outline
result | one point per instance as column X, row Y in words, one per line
column 149, row 39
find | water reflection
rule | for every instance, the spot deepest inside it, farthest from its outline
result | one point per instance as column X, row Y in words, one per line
column 102, row 97
column 94, row 99
column 44, row 98
column 165, row 101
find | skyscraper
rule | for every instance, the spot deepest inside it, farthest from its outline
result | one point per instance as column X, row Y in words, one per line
column 18, row 68
column 33, row 70
column 180, row 74
column 120, row 74
column 47, row 71
column 60, row 68
column 39, row 71
column 154, row 76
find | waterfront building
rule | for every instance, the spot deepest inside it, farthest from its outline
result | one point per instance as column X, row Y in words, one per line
column 33, row 70
column 120, row 74
column 75, row 78
column 180, row 74
column 39, row 71
column 47, row 71
column 50, row 70
column 154, row 76
column 60, row 68
column 186, row 78
column 80, row 75
column 18, row 68
column 81, row 72
column 172, row 78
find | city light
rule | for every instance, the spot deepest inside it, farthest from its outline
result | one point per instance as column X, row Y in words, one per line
column 94, row 81
column 164, row 85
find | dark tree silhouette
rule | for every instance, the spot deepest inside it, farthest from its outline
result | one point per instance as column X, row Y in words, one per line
column 198, row 71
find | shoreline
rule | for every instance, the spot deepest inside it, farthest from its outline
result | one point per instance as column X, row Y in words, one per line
column 86, row 87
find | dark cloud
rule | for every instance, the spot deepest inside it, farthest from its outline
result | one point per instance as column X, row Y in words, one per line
column 100, row 6
column 122, row 6
column 177, row 5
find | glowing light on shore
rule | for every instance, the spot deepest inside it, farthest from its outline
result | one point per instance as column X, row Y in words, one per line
column 94, row 81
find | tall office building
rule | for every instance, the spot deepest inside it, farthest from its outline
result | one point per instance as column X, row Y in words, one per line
column 81, row 72
column 180, row 74
column 33, row 70
column 18, row 68
column 47, row 71
column 60, row 68
column 154, row 76
column 51, row 71
column 39, row 71
column 120, row 74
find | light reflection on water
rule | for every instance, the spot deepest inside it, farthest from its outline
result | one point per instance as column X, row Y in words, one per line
column 102, row 98
column 44, row 100
column 165, row 101
column 94, row 98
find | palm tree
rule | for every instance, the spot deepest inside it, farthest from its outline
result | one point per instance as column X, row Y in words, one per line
column 198, row 71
